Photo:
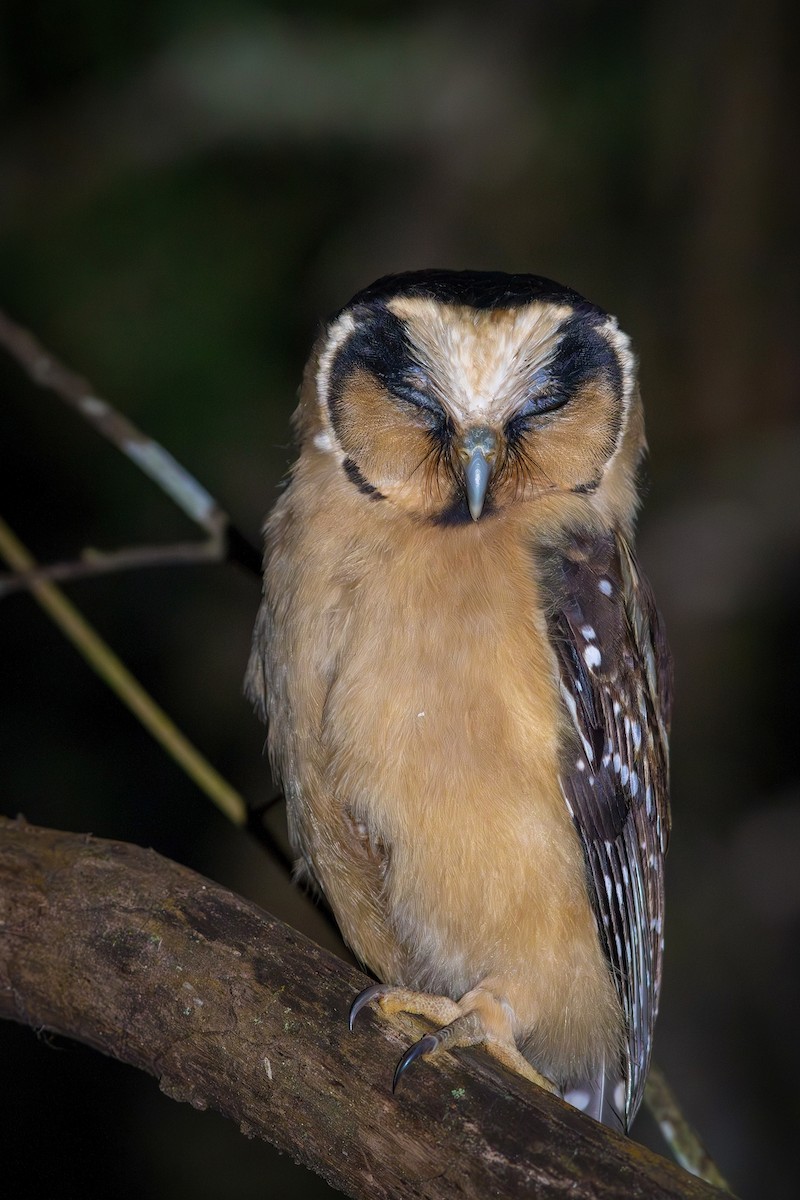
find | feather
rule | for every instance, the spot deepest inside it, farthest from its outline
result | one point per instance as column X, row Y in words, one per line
column 616, row 685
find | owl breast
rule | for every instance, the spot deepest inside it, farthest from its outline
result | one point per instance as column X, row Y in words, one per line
column 424, row 737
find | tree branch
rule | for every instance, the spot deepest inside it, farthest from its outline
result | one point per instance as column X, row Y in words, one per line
column 227, row 1007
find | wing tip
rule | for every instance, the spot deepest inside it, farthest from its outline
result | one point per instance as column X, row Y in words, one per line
column 603, row 1097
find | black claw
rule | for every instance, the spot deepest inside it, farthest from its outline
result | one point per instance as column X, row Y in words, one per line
column 423, row 1046
column 371, row 993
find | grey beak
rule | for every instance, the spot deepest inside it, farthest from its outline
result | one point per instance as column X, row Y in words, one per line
column 477, row 449
column 478, row 472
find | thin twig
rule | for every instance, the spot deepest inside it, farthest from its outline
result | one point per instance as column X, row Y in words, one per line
column 99, row 562
column 113, row 672
column 225, row 541
column 682, row 1140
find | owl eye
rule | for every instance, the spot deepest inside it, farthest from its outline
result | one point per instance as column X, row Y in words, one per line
column 536, row 405
column 410, row 390
column 419, row 400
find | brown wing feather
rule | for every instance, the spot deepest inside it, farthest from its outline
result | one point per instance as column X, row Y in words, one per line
column 616, row 683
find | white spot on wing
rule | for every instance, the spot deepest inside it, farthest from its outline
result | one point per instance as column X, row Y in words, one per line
column 578, row 1098
column 569, row 700
column 592, row 656
column 588, row 632
column 605, row 586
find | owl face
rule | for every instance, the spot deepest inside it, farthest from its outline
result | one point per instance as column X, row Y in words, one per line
column 452, row 396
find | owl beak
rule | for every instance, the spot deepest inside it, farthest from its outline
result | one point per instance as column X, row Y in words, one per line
column 478, row 451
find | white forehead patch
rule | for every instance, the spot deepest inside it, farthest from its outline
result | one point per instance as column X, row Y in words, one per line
column 481, row 356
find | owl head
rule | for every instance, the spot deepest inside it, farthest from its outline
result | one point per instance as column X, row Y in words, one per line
column 457, row 397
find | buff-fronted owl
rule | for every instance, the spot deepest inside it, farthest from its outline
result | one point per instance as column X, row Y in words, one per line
column 465, row 677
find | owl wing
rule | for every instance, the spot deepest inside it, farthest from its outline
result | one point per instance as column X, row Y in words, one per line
column 615, row 675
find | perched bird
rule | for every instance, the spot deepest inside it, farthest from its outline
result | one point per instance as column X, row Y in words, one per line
column 465, row 677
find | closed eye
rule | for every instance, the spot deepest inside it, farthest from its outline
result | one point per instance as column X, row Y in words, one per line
column 419, row 399
column 434, row 414
column 535, row 406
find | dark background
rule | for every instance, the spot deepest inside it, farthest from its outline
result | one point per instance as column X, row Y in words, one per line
column 186, row 189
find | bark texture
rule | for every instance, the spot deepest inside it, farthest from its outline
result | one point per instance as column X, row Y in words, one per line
column 147, row 961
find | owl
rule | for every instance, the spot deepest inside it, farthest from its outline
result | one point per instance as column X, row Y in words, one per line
column 465, row 678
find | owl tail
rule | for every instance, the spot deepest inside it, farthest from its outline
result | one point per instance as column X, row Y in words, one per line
column 602, row 1097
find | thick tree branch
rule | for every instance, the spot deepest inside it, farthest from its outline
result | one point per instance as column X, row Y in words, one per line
column 229, row 1008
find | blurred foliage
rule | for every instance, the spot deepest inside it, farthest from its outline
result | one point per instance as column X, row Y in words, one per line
column 186, row 189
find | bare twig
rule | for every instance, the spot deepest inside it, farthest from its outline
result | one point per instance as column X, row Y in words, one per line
column 231, row 1009
column 224, row 542
column 99, row 562
column 682, row 1140
column 116, row 675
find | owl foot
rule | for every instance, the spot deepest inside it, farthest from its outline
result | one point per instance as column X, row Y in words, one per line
column 478, row 1019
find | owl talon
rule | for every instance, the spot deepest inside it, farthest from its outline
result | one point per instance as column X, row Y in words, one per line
column 373, row 992
column 425, row 1045
column 478, row 1022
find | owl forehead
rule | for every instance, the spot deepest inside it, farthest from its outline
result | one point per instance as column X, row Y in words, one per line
column 479, row 358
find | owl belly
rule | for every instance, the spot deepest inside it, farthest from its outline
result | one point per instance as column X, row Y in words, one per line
column 446, row 766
